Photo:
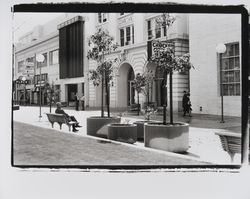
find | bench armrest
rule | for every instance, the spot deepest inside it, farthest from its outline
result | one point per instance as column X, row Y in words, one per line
column 229, row 134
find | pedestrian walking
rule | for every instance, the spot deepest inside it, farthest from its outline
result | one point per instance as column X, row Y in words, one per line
column 189, row 105
column 185, row 100
column 82, row 99
column 59, row 110
column 77, row 102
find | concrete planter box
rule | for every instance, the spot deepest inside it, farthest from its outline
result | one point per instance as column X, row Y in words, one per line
column 97, row 126
column 173, row 138
column 140, row 128
column 122, row 132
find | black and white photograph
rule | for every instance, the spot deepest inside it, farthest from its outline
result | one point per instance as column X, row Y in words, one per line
column 129, row 88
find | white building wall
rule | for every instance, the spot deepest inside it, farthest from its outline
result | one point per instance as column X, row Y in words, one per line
column 136, row 54
column 206, row 31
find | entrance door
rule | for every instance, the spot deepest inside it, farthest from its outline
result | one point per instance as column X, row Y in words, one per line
column 72, row 90
column 131, row 90
column 131, row 93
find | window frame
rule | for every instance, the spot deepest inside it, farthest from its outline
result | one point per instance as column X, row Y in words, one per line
column 51, row 60
column 230, row 74
column 102, row 17
column 128, row 39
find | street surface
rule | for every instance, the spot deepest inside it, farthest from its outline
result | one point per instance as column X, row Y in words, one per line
column 205, row 146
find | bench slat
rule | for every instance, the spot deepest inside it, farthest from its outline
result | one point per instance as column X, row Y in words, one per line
column 231, row 142
column 60, row 119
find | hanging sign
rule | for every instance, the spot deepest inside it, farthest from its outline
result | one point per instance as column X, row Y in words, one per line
column 29, row 67
column 155, row 46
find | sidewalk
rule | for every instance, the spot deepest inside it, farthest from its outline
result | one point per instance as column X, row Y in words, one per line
column 204, row 144
column 36, row 146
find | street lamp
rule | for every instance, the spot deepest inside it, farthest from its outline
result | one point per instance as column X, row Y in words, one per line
column 24, row 90
column 40, row 58
column 220, row 49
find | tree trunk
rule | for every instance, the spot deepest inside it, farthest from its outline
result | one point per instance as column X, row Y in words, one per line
column 138, row 111
column 102, row 110
column 171, row 96
column 148, row 95
column 107, row 96
column 50, row 101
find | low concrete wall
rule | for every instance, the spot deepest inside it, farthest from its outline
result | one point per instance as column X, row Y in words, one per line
column 173, row 138
column 97, row 126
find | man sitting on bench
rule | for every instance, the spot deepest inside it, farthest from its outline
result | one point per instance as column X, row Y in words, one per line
column 59, row 110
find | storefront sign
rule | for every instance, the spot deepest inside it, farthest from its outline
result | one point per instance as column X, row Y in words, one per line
column 156, row 47
column 29, row 64
column 29, row 68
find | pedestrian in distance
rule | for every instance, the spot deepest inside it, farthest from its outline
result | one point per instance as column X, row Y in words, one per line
column 82, row 99
column 59, row 110
column 185, row 100
column 76, row 102
column 189, row 105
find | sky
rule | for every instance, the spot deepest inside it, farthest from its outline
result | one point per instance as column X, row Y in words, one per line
column 24, row 22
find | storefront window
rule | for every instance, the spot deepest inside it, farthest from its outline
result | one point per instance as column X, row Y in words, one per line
column 231, row 70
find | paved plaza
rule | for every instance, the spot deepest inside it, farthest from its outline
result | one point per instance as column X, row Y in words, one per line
column 204, row 147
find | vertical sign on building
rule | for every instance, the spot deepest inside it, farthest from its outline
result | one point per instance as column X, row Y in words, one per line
column 155, row 46
column 29, row 68
column 71, row 48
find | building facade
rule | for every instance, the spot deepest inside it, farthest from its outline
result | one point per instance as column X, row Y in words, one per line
column 205, row 79
column 132, row 32
column 61, row 43
column 64, row 45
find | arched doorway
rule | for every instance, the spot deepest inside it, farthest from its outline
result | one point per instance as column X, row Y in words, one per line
column 125, row 90
column 131, row 90
column 157, row 90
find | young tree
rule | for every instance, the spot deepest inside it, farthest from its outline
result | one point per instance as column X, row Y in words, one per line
column 101, row 44
column 139, row 83
column 149, row 77
column 168, row 62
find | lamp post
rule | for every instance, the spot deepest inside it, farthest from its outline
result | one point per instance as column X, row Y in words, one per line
column 220, row 49
column 40, row 58
column 24, row 90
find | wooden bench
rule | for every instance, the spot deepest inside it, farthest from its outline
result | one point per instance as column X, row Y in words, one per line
column 60, row 119
column 231, row 142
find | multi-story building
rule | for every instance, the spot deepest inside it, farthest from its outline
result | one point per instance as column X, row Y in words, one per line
column 63, row 42
column 132, row 32
column 64, row 33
